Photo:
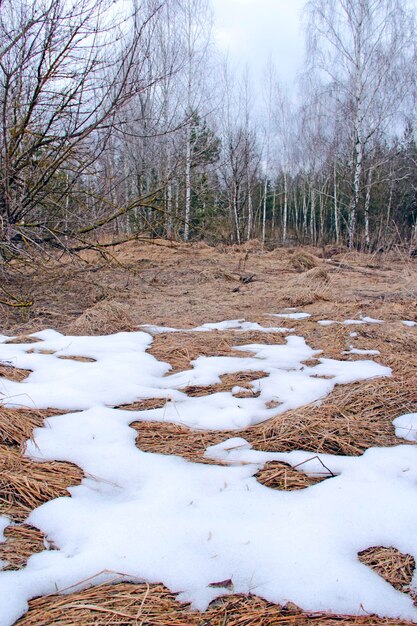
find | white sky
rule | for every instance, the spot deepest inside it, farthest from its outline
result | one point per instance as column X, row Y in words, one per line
column 252, row 31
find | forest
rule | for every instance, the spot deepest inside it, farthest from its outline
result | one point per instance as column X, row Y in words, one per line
column 124, row 120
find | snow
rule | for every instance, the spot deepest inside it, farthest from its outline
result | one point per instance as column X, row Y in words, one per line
column 4, row 522
column 326, row 322
column 363, row 320
column 406, row 426
column 236, row 325
column 353, row 350
column 409, row 323
column 123, row 371
column 135, row 512
column 291, row 316
column 371, row 320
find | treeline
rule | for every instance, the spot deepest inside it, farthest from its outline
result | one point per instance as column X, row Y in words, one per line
column 129, row 122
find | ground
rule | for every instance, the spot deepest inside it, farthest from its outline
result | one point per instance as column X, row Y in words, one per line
column 185, row 285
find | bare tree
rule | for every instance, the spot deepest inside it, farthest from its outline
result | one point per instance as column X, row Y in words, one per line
column 65, row 71
column 358, row 46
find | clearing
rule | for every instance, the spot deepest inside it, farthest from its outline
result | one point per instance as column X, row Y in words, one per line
column 278, row 490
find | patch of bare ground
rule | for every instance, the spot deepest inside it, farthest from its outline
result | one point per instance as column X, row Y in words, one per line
column 16, row 425
column 20, row 543
column 13, row 373
column 25, row 484
column 185, row 285
column 179, row 349
column 391, row 564
column 153, row 605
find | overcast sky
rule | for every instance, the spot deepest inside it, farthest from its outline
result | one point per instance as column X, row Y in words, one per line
column 254, row 30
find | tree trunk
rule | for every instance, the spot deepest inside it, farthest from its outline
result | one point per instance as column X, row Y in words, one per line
column 285, row 210
column 187, row 184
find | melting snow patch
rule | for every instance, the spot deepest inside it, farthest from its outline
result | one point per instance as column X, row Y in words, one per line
column 326, row 322
column 237, row 325
column 4, row 522
column 353, row 350
column 406, row 426
column 291, row 316
column 124, row 372
column 136, row 512
column 409, row 323
column 363, row 320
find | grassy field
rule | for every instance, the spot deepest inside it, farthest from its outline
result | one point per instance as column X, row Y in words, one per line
column 184, row 286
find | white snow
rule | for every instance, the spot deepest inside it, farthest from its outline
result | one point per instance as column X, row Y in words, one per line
column 123, row 372
column 363, row 320
column 292, row 316
column 236, row 325
column 326, row 322
column 409, row 323
column 353, row 334
column 406, row 426
column 148, row 517
column 4, row 522
column 353, row 350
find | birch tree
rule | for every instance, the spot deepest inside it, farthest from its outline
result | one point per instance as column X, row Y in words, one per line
column 358, row 46
column 196, row 17
column 65, row 72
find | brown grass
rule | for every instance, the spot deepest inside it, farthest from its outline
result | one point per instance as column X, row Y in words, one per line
column 16, row 425
column 25, row 485
column 21, row 542
column 302, row 261
column 13, row 373
column 153, row 605
column 228, row 381
column 23, row 339
column 395, row 567
column 104, row 318
column 179, row 349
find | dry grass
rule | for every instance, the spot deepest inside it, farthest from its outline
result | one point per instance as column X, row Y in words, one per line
column 23, row 339
column 302, row 261
column 104, row 318
column 395, row 567
column 179, row 349
column 16, row 425
column 184, row 286
column 21, row 542
column 153, row 605
column 25, row 484
column 12, row 373
column 228, row 381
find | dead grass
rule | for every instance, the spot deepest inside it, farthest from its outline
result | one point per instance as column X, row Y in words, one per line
column 228, row 381
column 284, row 478
column 104, row 318
column 20, row 543
column 153, row 605
column 184, row 286
column 25, row 485
column 179, row 349
column 79, row 359
column 302, row 261
column 143, row 405
column 391, row 564
column 23, row 339
column 16, row 425
column 13, row 373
